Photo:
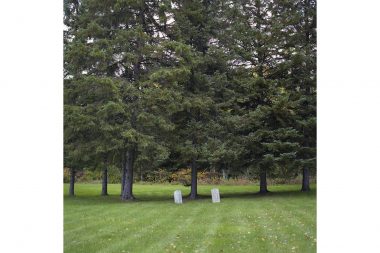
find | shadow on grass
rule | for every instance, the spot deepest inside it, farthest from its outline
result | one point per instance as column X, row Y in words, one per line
column 271, row 194
column 115, row 199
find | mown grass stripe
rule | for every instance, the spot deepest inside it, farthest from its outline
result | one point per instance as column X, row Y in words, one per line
column 101, row 228
column 98, row 224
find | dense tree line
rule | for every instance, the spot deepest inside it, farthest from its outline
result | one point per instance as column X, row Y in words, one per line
column 228, row 85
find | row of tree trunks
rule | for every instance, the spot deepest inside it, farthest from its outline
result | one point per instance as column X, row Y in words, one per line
column 127, row 180
column 104, row 182
column 128, row 184
column 305, row 181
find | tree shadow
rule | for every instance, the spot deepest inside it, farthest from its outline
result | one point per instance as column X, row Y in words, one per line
column 115, row 198
column 270, row 194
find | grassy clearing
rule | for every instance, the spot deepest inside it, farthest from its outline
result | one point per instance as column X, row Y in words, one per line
column 281, row 221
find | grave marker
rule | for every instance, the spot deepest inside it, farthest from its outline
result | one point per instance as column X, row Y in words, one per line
column 178, row 197
column 215, row 195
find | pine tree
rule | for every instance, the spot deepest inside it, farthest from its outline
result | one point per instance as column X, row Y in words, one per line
column 194, row 26
column 78, row 131
column 210, row 84
column 296, row 33
column 118, row 41
column 266, row 111
column 251, row 45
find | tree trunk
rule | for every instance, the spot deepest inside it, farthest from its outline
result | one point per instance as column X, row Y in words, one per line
column 305, row 180
column 263, row 182
column 123, row 173
column 72, row 182
column 127, row 191
column 193, row 192
column 104, row 183
column 225, row 174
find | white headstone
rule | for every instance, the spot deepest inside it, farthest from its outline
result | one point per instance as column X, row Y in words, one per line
column 178, row 197
column 215, row 195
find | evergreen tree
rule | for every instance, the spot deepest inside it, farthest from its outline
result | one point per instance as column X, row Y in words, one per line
column 295, row 30
column 211, row 84
column 195, row 26
column 78, row 131
column 117, row 41
column 251, row 45
column 266, row 111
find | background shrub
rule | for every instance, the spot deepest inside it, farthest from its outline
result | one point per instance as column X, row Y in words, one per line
column 180, row 176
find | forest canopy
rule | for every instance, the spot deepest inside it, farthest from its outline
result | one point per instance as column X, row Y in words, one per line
column 222, row 86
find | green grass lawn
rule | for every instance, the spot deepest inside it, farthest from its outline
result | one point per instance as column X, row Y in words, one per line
column 281, row 221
